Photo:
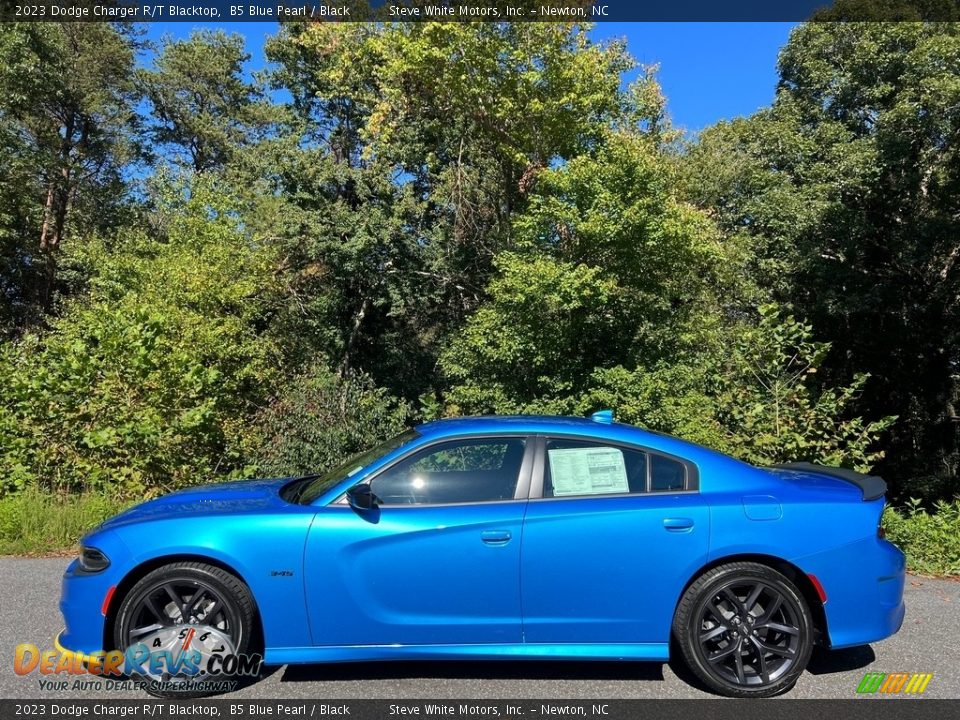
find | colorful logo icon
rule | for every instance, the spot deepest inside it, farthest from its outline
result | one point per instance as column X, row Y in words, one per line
column 899, row 683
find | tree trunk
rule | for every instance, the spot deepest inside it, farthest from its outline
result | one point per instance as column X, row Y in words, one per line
column 352, row 337
column 47, row 245
column 56, row 208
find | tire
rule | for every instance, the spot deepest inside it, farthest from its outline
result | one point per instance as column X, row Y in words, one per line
column 744, row 630
column 211, row 597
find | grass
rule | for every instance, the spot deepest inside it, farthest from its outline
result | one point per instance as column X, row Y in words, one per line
column 33, row 523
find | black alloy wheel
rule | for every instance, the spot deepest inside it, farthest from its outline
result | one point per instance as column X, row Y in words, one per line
column 745, row 630
column 176, row 602
column 192, row 595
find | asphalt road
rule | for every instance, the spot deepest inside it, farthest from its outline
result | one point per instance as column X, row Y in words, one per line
column 29, row 591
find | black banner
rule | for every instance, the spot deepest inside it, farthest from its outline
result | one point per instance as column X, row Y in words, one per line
column 776, row 709
column 475, row 10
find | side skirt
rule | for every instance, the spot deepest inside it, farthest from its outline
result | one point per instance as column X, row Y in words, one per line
column 518, row 651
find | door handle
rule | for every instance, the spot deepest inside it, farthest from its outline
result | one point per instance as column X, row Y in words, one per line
column 676, row 524
column 495, row 537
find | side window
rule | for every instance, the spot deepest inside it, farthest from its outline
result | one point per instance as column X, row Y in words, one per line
column 577, row 467
column 666, row 474
column 581, row 467
column 459, row 471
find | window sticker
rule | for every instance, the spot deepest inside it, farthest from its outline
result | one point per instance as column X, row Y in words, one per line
column 588, row 471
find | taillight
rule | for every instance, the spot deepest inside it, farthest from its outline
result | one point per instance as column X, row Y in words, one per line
column 881, row 531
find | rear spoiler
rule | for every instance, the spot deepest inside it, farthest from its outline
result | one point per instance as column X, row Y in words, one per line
column 871, row 486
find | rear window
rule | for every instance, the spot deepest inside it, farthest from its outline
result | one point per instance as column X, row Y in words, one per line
column 666, row 474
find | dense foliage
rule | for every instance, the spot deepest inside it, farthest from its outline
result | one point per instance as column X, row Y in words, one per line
column 139, row 383
column 319, row 418
column 930, row 538
column 198, row 280
column 847, row 190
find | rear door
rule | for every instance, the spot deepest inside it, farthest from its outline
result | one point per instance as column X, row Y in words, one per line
column 612, row 534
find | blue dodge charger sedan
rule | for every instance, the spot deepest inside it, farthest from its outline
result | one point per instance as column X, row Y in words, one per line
column 547, row 538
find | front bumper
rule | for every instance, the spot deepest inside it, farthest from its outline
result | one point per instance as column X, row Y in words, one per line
column 63, row 650
column 81, row 601
column 82, row 596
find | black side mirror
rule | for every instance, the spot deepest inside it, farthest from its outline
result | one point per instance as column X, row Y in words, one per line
column 361, row 497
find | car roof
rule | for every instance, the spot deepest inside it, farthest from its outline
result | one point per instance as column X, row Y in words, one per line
column 556, row 424
column 507, row 423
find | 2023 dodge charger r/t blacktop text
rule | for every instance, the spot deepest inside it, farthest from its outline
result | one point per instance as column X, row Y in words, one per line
column 505, row 537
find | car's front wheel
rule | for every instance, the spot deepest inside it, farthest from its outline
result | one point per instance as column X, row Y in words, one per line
column 188, row 625
column 744, row 630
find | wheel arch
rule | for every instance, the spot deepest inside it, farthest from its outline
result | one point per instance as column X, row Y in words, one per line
column 147, row 566
column 797, row 576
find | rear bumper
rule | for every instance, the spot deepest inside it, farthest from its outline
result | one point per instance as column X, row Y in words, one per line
column 863, row 582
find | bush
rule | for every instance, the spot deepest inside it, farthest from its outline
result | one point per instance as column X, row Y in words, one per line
column 139, row 387
column 319, row 419
column 774, row 410
column 931, row 541
column 32, row 523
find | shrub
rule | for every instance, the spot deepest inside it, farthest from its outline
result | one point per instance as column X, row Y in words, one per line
column 137, row 388
column 320, row 418
column 773, row 409
column 931, row 540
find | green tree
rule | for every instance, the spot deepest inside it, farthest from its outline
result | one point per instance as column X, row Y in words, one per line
column 66, row 112
column 612, row 272
column 625, row 297
column 204, row 110
column 415, row 175
column 848, row 189
column 533, row 346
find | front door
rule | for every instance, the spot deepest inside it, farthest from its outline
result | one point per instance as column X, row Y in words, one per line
column 438, row 561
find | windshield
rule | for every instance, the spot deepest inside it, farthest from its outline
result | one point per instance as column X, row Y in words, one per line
column 312, row 488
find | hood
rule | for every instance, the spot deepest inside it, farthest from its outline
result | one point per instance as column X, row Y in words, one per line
column 241, row 496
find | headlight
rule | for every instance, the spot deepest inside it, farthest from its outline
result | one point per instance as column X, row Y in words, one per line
column 93, row 560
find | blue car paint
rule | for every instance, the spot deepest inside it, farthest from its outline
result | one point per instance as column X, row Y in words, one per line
column 608, row 541
column 588, row 578
column 415, row 575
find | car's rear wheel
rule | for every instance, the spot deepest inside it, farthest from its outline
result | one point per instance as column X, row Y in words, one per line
column 186, row 606
column 744, row 630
